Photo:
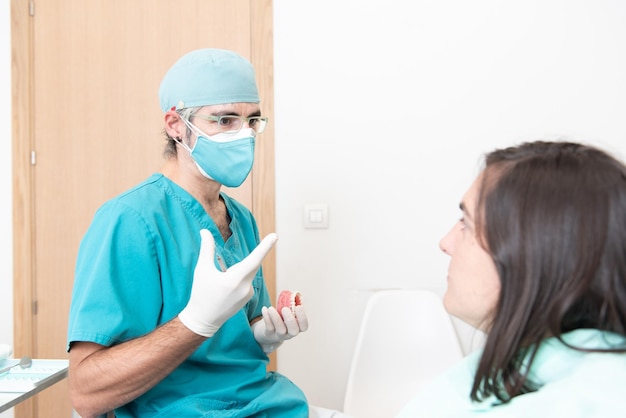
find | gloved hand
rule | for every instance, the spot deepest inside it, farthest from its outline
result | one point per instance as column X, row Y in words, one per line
column 216, row 295
column 272, row 330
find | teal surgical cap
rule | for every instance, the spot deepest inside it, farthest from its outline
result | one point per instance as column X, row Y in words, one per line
column 207, row 77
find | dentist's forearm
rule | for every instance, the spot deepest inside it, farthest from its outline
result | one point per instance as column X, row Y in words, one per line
column 104, row 378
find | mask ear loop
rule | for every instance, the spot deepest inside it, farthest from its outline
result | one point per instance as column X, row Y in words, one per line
column 192, row 128
column 180, row 142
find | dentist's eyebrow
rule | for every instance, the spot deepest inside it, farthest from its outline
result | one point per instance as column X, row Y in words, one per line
column 233, row 113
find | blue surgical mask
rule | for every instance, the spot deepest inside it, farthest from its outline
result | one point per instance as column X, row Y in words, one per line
column 225, row 157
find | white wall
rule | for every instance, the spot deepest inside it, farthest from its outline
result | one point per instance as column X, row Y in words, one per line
column 383, row 109
column 382, row 112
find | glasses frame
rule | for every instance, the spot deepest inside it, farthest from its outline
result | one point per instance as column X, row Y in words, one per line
column 263, row 119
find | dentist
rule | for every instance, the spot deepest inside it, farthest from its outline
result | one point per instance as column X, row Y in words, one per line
column 170, row 314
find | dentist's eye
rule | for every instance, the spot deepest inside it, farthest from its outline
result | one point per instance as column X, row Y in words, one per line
column 229, row 122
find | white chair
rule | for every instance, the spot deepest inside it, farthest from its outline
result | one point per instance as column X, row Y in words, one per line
column 405, row 340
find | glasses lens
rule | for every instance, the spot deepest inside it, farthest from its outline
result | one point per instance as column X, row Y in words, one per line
column 230, row 123
column 257, row 123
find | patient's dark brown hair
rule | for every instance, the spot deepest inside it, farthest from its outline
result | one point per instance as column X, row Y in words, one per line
column 553, row 217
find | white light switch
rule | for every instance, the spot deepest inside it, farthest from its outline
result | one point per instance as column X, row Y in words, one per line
column 316, row 216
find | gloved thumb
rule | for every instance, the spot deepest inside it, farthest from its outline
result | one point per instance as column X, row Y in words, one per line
column 207, row 246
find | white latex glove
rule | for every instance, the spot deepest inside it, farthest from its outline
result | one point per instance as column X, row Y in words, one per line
column 216, row 295
column 272, row 330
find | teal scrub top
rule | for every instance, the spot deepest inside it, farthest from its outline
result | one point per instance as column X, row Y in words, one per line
column 134, row 272
column 573, row 384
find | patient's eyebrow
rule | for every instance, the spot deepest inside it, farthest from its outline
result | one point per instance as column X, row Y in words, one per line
column 463, row 208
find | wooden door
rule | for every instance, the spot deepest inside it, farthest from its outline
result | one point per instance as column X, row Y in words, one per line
column 87, row 125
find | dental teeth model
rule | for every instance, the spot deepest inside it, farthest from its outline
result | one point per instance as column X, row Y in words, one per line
column 288, row 299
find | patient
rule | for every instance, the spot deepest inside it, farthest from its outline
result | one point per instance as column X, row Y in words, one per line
column 538, row 262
